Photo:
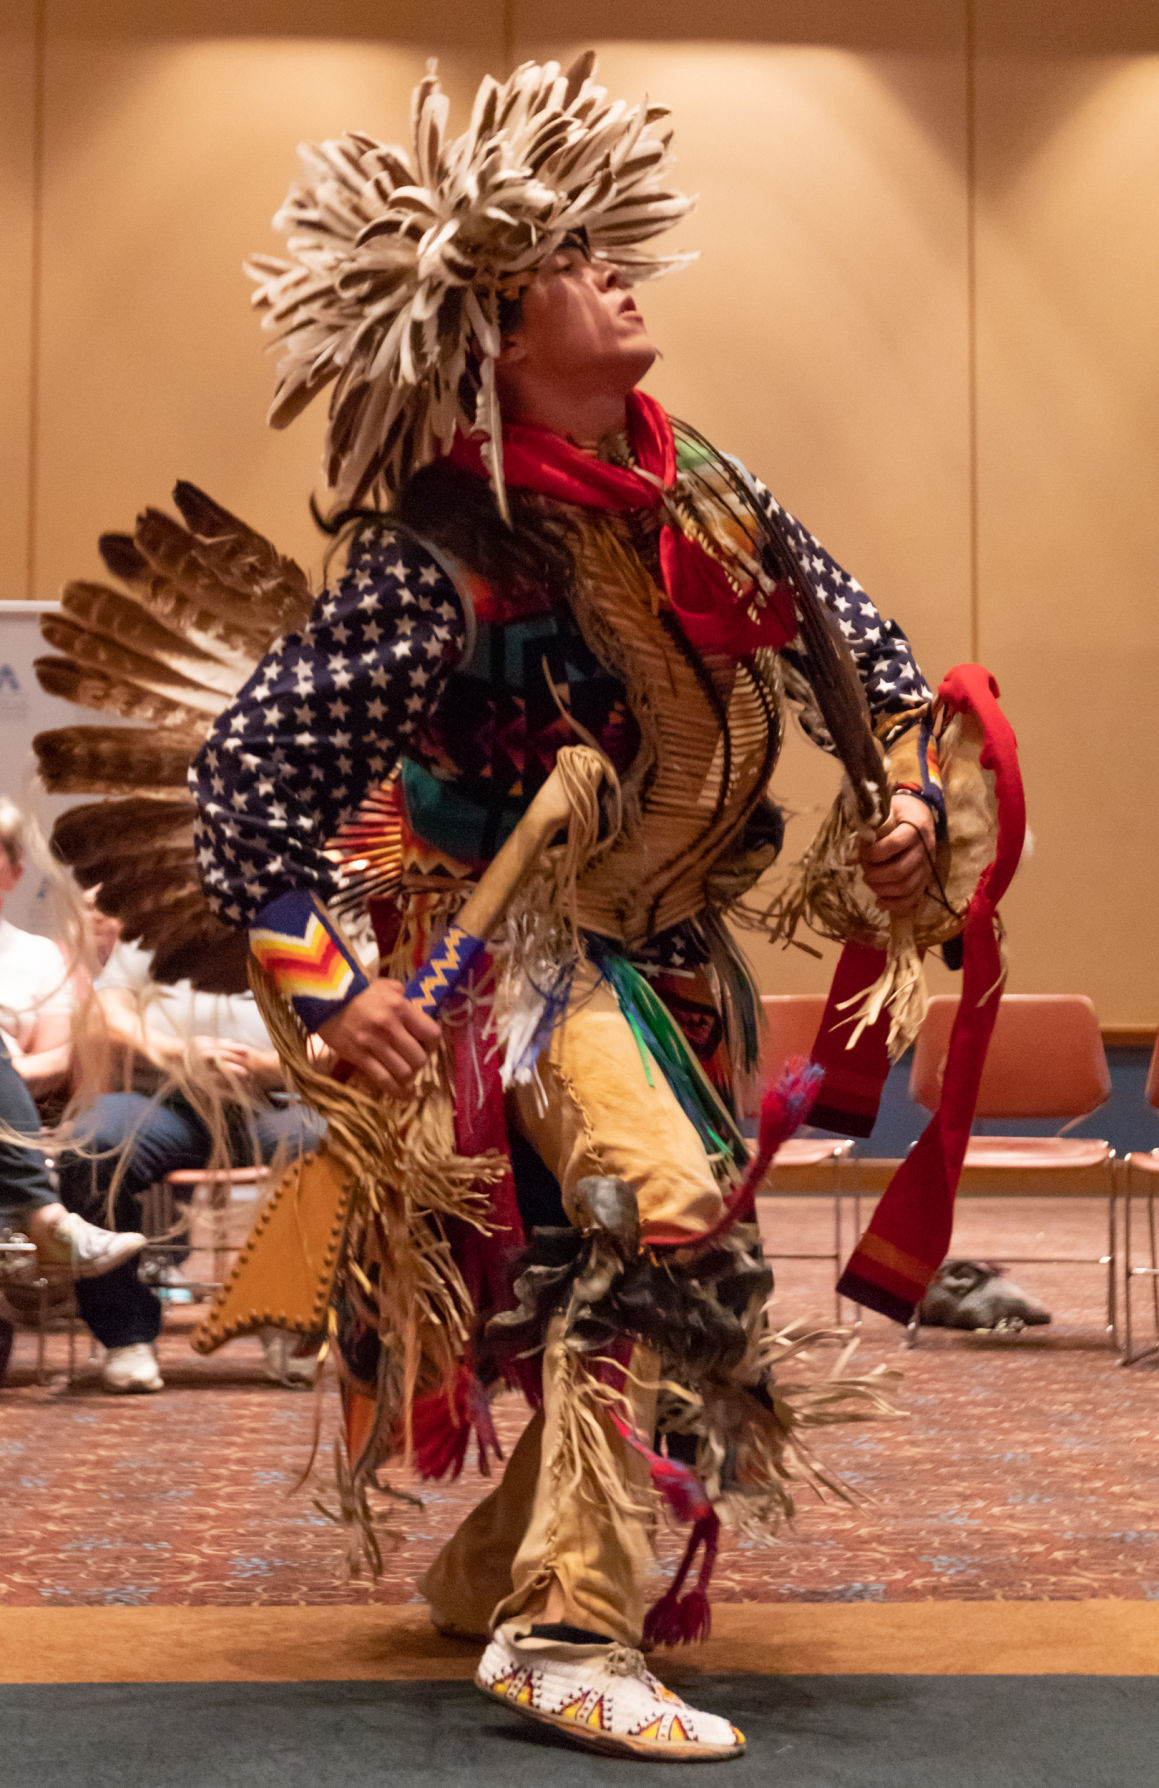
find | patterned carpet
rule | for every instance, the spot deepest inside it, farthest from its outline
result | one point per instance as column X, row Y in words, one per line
column 1017, row 1468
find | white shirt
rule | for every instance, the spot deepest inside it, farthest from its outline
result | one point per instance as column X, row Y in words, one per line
column 33, row 979
column 179, row 1010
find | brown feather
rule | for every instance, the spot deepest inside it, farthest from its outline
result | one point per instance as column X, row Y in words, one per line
column 197, row 569
column 128, row 622
column 248, row 559
column 168, row 916
column 100, row 760
column 122, row 558
column 87, row 835
column 206, row 600
column 95, row 689
column 127, row 878
column 212, row 632
column 171, row 553
column 213, row 956
column 96, row 651
column 184, row 937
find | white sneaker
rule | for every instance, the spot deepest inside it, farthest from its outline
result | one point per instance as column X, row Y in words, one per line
column 86, row 1251
column 283, row 1364
column 601, row 1696
column 132, row 1368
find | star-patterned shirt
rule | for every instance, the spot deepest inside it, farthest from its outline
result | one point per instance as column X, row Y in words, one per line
column 329, row 710
column 880, row 650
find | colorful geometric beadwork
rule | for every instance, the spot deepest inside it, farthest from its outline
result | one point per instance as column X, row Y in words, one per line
column 306, row 960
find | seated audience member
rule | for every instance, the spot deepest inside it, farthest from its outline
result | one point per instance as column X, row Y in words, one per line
column 36, row 1006
column 28, row 1192
column 37, row 996
column 152, row 1128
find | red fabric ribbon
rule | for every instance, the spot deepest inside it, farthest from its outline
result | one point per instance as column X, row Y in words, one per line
column 713, row 617
column 909, row 1234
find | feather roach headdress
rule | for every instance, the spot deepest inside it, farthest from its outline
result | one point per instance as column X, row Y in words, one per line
column 399, row 260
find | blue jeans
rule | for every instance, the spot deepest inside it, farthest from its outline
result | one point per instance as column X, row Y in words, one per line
column 25, row 1182
column 160, row 1137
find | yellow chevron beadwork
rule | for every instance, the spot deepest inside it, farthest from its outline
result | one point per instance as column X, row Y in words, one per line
column 309, row 967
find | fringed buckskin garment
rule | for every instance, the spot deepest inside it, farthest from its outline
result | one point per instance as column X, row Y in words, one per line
column 555, row 1207
column 528, row 733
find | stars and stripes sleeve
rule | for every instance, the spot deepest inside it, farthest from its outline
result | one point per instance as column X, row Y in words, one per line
column 321, row 721
column 898, row 696
column 883, row 655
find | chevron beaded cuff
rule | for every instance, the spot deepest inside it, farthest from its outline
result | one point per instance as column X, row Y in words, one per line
column 305, row 958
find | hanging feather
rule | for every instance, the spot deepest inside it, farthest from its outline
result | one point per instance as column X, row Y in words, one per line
column 88, row 836
column 208, row 953
column 828, row 663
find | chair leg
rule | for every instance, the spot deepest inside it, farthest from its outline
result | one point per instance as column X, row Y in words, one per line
column 41, row 1329
column 1112, row 1264
column 1128, row 1338
column 1130, row 1356
column 1154, row 1262
column 834, row 1171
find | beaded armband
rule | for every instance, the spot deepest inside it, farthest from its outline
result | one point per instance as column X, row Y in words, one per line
column 923, row 776
column 302, row 953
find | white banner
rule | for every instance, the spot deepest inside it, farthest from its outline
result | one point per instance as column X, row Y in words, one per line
column 26, row 710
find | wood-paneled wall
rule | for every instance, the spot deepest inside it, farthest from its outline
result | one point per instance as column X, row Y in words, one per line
column 924, row 312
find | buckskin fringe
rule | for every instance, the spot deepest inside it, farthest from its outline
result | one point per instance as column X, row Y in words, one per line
column 407, row 1179
column 750, row 1429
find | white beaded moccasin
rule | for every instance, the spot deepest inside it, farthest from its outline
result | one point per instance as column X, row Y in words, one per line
column 601, row 1696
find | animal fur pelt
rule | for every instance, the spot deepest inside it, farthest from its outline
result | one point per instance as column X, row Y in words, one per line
column 202, row 600
column 976, row 1294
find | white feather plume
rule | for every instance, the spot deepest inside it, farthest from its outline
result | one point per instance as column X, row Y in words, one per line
column 399, row 259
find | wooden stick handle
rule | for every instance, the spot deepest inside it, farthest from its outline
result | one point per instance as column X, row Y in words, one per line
column 450, row 960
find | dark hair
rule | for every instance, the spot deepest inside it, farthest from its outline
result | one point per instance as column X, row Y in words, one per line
column 456, row 510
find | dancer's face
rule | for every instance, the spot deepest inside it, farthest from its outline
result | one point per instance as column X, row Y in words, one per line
column 579, row 327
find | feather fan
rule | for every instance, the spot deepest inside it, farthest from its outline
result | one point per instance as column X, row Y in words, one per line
column 203, row 599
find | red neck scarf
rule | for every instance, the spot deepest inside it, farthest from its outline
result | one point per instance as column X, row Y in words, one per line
column 713, row 617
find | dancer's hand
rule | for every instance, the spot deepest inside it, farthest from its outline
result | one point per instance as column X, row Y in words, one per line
column 896, row 866
column 385, row 1035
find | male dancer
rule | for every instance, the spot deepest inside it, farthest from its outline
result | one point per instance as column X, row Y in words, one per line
column 535, row 555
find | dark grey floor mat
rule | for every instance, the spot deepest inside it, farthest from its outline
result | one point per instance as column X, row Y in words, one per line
column 803, row 1732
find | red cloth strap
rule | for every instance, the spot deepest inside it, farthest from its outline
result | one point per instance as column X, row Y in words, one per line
column 851, row 1090
column 910, row 1231
column 712, row 615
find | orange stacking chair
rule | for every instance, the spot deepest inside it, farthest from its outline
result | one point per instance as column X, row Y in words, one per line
column 1046, row 1060
column 1144, row 1167
column 806, row 1166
